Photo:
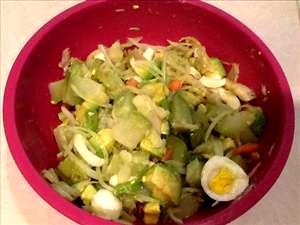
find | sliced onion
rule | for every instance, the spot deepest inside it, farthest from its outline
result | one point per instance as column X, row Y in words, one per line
column 148, row 54
column 242, row 91
column 230, row 99
column 211, row 82
column 69, row 115
column 87, row 155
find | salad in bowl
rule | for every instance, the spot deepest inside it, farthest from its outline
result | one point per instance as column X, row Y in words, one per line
column 153, row 132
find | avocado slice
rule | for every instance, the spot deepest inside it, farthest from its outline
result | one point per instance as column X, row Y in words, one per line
column 153, row 144
column 87, row 115
column 72, row 169
column 164, row 184
column 259, row 119
column 102, row 141
column 158, row 91
column 217, row 68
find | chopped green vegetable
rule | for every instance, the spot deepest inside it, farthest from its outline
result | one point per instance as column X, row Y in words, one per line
column 199, row 118
column 140, row 162
column 144, row 68
column 166, row 104
column 188, row 206
column 129, row 187
column 131, row 130
column 176, row 166
column 57, row 90
column 123, row 104
column 181, row 114
column 193, row 173
column 178, row 148
column 109, row 77
column 87, row 115
column 259, row 119
column 72, row 169
column 236, row 125
column 150, row 110
column 70, row 97
column 67, row 191
column 190, row 98
column 213, row 110
column 210, row 148
column 115, row 52
column 258, row 124
column 50, row 175
column 89, row 90
column 78, row 68
column 125, row 166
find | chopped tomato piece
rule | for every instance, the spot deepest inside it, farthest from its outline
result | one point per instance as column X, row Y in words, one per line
column 132, row 82
column 246, row 148
column 168, row 154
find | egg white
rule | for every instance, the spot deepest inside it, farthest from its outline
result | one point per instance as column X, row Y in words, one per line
column 104, row 203
column 212, row 167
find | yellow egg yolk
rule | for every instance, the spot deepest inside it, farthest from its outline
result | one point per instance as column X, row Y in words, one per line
column 222, row 182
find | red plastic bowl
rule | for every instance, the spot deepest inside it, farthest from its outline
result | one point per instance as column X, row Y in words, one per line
column 29, row 117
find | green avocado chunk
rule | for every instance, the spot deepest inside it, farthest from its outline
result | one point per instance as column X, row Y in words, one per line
column 164, row 184
column 71, row 169
column 217, row 68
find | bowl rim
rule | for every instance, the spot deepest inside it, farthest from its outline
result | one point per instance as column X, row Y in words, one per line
column 82, row 217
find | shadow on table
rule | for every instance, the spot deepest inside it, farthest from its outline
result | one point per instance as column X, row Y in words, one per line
column 30, row 205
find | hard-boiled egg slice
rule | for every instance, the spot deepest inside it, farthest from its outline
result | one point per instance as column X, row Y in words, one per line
column 222, row 179
column 104, row 203
column 212, row 82
column 148, row 54
column 114, row 180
